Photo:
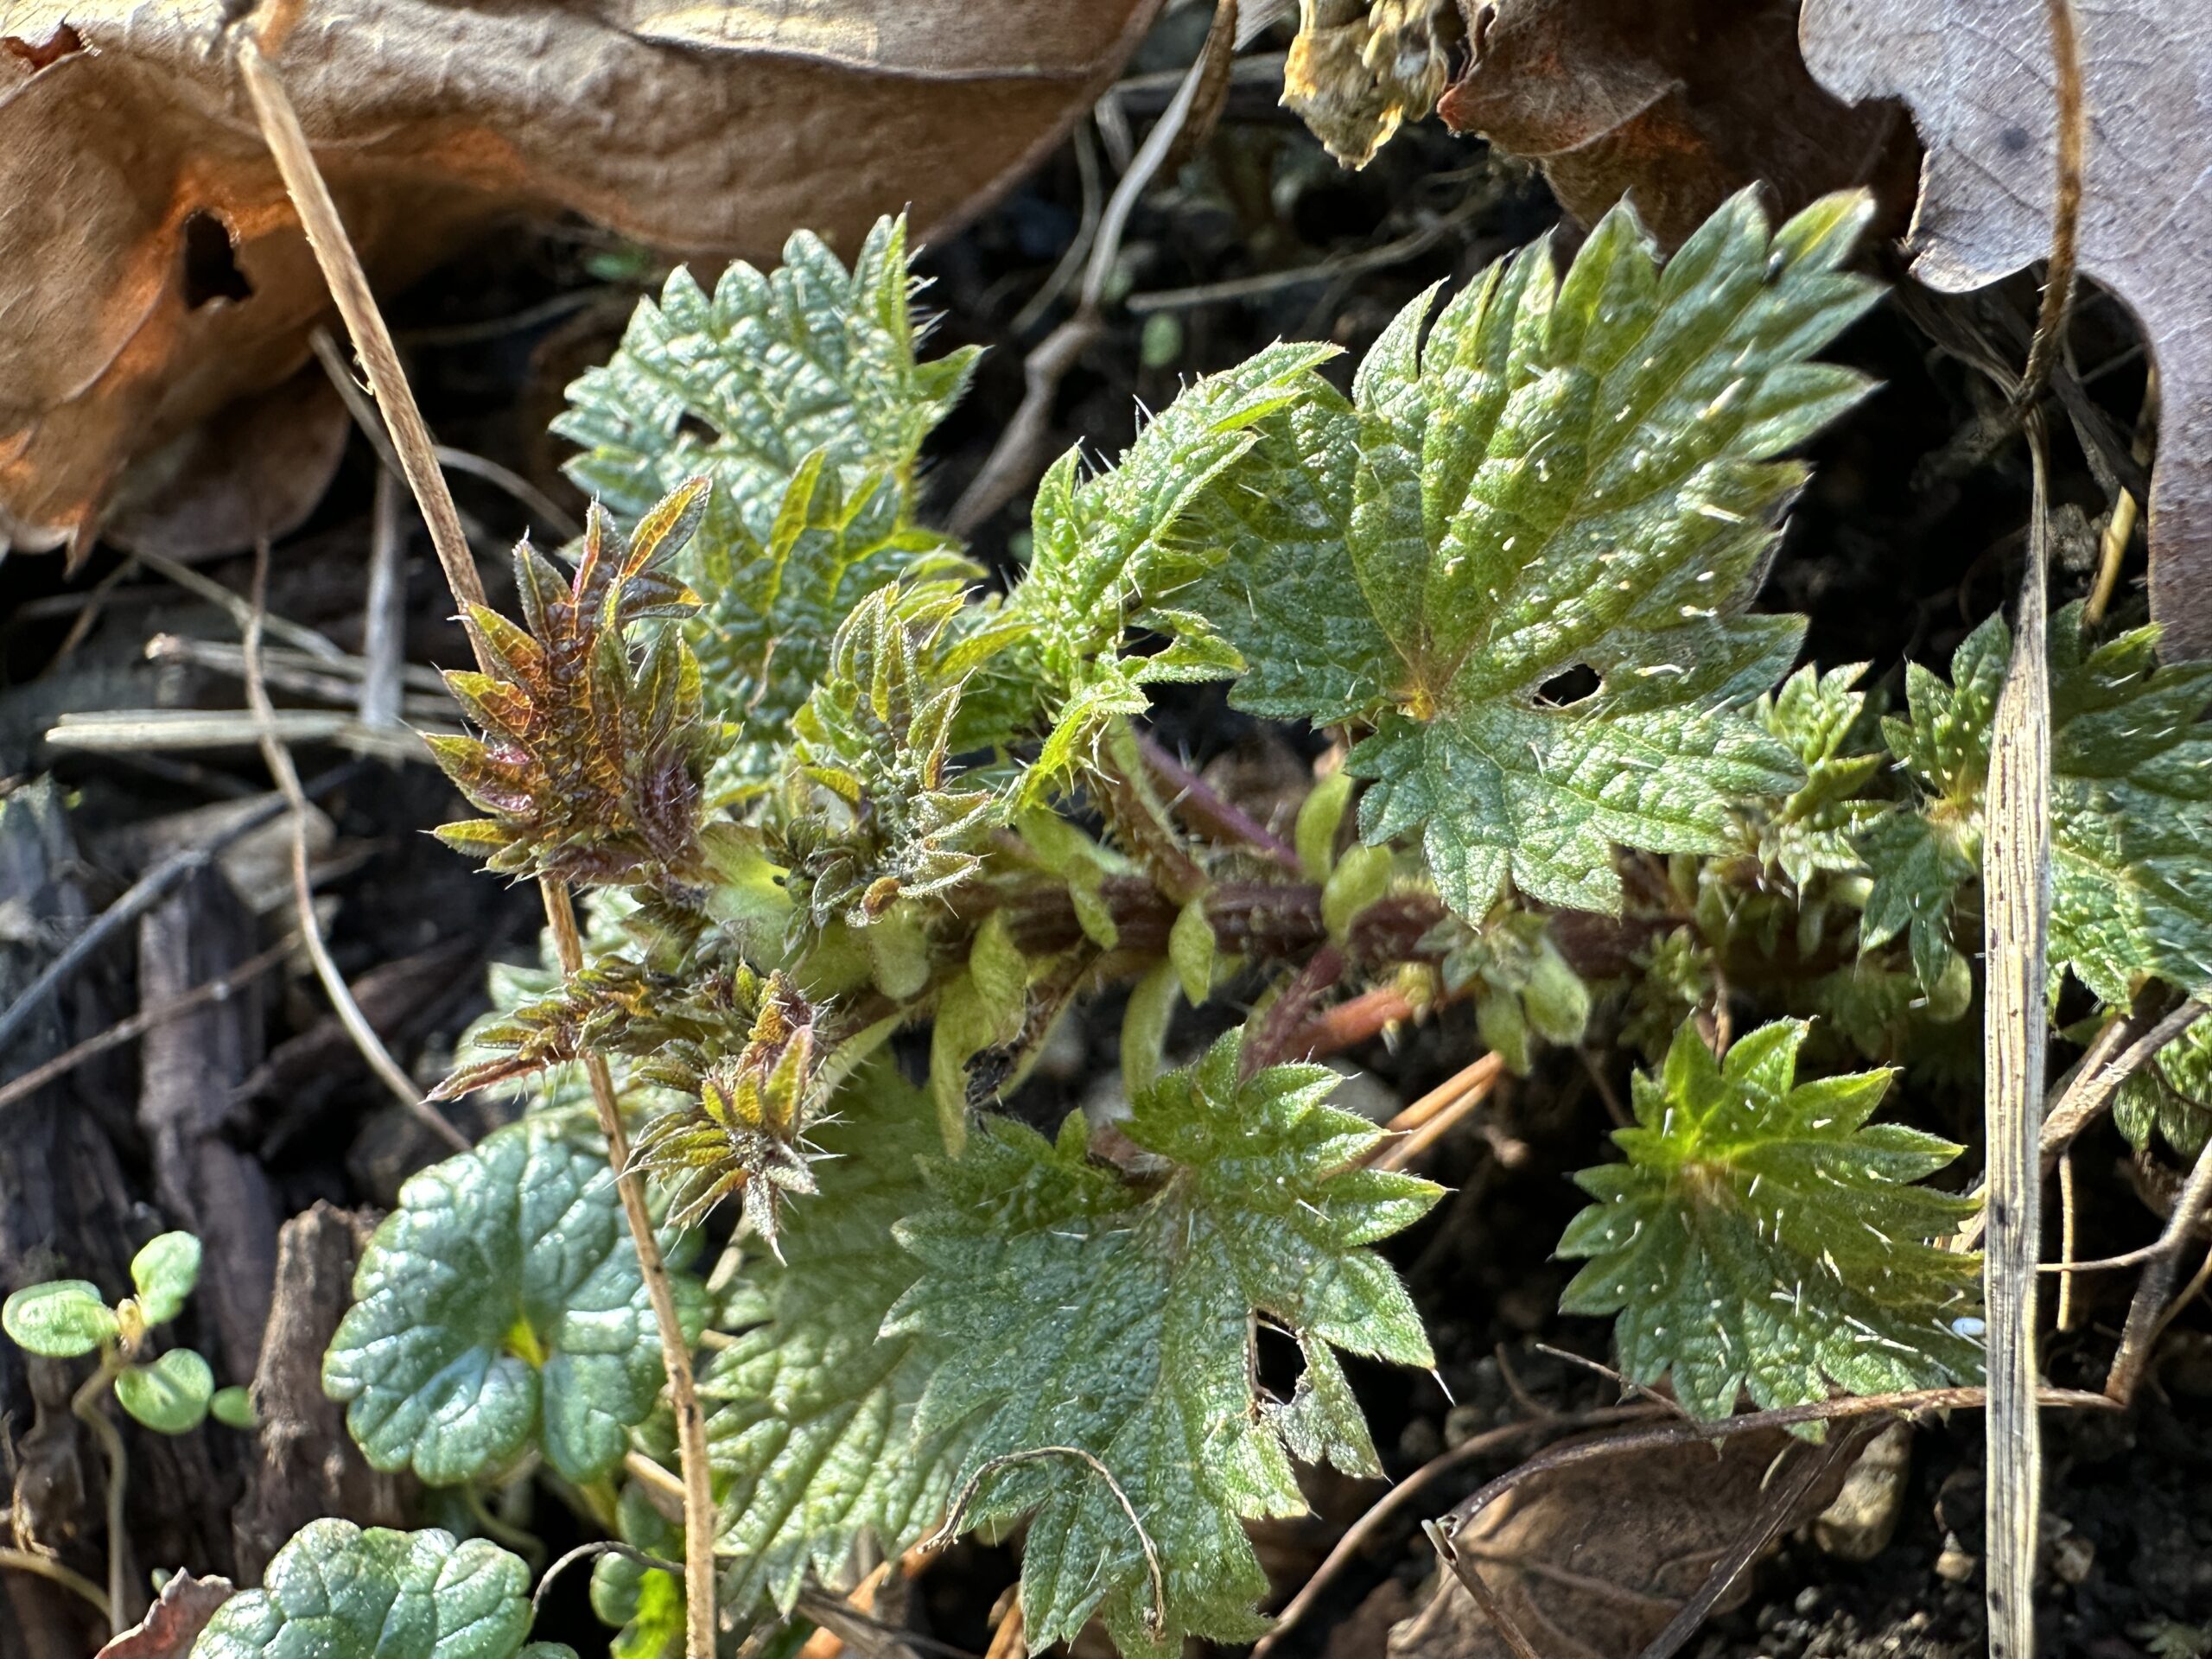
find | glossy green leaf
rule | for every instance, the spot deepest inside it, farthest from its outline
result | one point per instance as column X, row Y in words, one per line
column 233, row 1408
column 1072, row 1307
column 498, row 1307
column 170, row 1395
column 60, row 1318
column 164, row 1273
column 336, row 1592
column 1762, row 1234
column 1564, row 476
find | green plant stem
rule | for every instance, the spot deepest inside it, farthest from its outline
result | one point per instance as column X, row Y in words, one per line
column 85, row 1405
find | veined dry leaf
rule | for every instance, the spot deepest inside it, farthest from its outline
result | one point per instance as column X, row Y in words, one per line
column 1358, row 68
column 173, row 1623
column 157, row 271
column 1593, row 1560
column 1978, row 74
column 1677, row 104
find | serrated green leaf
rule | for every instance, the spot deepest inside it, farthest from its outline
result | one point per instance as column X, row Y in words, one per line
column 1073, row 1307
column 60, row 1318
column 798, row 393
column 1760, row 1234
column 1563, row 476
column 2171, row 1095
column 164, row 1273
column 170, row 1395
column 335, row 1592
column 1812, row 828
column 809, row 1410
column 501, row 1302
column 2131, row 808
column 1112, row 549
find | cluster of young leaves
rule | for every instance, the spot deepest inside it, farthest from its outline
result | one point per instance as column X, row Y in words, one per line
column 798, row 394
column 171, row 1393
column 1762, row 1234
column 1563, row 475
column 2131, row 809
column 590, row 760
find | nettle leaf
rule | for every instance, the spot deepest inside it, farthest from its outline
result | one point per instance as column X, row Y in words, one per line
column 2171, row 1095
column 810, row 1409
column 798, row 393
column 60, row 1318
column 589, row 762
column 1762, row 1234
column 875, row 741
column 744, row 385
column 169, row 1395
column 2131, row 808
column 1075, row 1308
column 336, row 1592
column 500, row 1303
column 1567, row 480
column 1114, row 549
column 1814, row 829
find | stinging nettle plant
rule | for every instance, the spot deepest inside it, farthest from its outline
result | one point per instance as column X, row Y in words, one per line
column 824, row 784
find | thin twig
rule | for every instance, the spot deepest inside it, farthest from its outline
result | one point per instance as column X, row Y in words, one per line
column 1012, row 463
column 602, row 1547
column 341, row 269
column 124, row 1031
column 383, row 610
column 1155, row 1619
column 29, row 1561
column 1362, row 1532
column 278, row 759
column 2144, row 1314
column 2066, row 206
column 1428, row 1119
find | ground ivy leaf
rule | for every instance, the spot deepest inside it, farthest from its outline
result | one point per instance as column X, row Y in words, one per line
column 1760, row 1234
column 60, row 1318
column 500, row 1301
column 168, row 1395
column 2131, row 808
column 163, row 1273
column 1073, row 1307
column 809, row 1413
column 336, row 1592
column 1564, row 475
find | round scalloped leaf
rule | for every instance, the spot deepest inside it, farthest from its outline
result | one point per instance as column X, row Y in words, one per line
column 60, row 1318
column 169, row 1395
column 335, row 1592
column 500, row 1301
column 165, row 1272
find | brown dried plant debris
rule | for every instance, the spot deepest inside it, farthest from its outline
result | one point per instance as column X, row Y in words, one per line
column 1676, row 104
column 1979, row 78
column 155, row 271
column 1357, row 68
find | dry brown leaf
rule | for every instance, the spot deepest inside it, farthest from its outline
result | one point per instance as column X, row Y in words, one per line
column 1678, row 104
column 173, row 1623
column 1592, row 1559
column 1978, row 76
column 155, row 271
column 1359, row 67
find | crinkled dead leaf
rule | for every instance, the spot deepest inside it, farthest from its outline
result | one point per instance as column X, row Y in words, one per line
column 1979, row 78
column 173, row 1622
column 1593, row 1560
column 1678, row 104
column 1358, row 68
column 157, row 271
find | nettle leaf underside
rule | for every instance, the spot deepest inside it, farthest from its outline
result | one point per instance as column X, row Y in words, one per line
column 1562, row 475
column 1072, row 1309
column 1762, row 1234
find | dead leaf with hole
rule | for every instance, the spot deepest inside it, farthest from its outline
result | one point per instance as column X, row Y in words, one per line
column 1677, row 104
column 1978, row 75
column 1593, row 1560
column 157, row 273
